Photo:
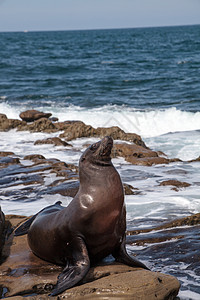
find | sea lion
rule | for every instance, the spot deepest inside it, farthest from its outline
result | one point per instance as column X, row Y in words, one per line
column 90, row 228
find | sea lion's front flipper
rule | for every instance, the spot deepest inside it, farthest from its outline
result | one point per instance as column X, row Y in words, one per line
column 73, row 273
column 122, row 256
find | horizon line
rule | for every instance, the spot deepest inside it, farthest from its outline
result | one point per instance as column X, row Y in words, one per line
column 91, row 29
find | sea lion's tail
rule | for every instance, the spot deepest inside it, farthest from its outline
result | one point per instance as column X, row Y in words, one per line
column 23, row 229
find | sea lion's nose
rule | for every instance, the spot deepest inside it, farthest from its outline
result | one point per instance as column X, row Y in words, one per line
column 108, row 139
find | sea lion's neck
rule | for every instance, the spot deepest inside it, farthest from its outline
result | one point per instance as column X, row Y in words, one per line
column 95, row 173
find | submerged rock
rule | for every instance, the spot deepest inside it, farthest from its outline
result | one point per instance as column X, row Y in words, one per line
column 22, row 273
column 32, row 115
column 55, row 141
column 186, row 221
column 177, row 184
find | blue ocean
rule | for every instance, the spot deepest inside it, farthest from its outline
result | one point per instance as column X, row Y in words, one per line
column 144, row 80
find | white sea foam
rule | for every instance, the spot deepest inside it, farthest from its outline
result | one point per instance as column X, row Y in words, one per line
column 147, row 123
column 188, row 295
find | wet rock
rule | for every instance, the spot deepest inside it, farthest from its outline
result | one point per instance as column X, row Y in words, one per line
column 130, row 190
column 65, row 125
column 69, row 189
column 138, row 155
column 7, row 124
column 177, row 184
column 22, row 273
column 78, row 129
column 2, row 228
column 195, row 160
column 6, row 161
column 69, row 171
column 186, row 221
column 189, row 221
column 54, row 119
column 40, row 125
column 5, row 153
column 118, row 134
column 55, row 141
column 34, row 157
column 128, row 285
column 32, row 115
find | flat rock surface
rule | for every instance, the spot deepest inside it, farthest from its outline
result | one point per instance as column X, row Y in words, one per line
column 22, row 273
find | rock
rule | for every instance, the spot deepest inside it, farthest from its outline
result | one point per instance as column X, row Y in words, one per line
column 6, row 161
column 22, row 273
column 195, row 160
column 32, row 115
column 55, row 141
column 78, row 129
column 138, row 155
column 69, row 171
column 54, row 119
column 5, row 153
column 69, row 189
column 40, row 125
column 7, row 124
column 34, row 157
column 177, row 184
column 118, row 134
column 130, row 284
column 2, row 228
column 65, row 125
column 72, row 129
column 186, row 221
column 130, row 190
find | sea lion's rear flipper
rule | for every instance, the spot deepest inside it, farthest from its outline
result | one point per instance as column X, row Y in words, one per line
column 73, row 273
column 122, row 256
column 23, row 229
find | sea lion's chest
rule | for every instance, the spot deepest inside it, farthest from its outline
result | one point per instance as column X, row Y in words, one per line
column 100, row 213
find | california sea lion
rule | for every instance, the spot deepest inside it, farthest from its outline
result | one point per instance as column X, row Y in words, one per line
column 90, row 228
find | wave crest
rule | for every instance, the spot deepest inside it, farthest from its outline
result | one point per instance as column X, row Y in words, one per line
column 147, row 123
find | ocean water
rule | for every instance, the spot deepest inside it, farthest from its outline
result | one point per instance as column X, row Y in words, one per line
column 143, row 80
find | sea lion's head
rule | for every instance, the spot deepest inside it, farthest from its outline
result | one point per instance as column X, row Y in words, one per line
column 98, row 153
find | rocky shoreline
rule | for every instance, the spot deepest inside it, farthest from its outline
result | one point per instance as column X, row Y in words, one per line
column 25, row 275
column 131, row 146
column 22, row 272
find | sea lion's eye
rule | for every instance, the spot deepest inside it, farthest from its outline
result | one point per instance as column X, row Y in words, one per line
column 94, row 146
